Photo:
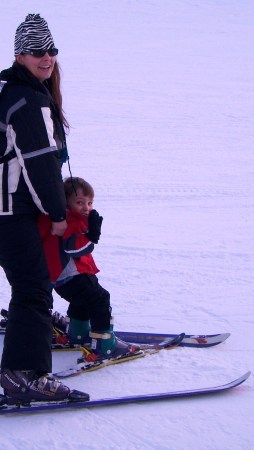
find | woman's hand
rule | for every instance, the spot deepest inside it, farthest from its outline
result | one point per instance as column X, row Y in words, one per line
column 58, row 228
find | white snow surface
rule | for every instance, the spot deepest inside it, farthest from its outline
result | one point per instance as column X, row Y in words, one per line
column 159, row 95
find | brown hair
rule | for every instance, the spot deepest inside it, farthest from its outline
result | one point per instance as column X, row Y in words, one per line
column 72, row 184
column 53, row 84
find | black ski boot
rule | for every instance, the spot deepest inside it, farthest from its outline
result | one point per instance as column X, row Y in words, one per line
column 22, row 387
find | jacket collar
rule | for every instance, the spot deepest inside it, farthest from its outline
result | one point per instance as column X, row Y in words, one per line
column 18, row 74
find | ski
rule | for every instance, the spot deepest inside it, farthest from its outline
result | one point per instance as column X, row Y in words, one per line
column 194, row 340
column 189, row 340
column 60, row 339
column 90, row 365
column 48, row 406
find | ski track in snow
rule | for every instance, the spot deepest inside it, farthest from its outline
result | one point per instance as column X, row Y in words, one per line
column 158, row 95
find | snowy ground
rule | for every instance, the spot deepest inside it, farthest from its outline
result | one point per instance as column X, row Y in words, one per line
column 159, row 94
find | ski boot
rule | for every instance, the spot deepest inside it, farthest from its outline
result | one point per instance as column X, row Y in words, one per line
column 108, row 346
column 22, row 387
column 61, row 323
column 68, row 330
column 79, row 332
column 3, row 322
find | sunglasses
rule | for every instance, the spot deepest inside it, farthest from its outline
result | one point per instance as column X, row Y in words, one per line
column 40, row 53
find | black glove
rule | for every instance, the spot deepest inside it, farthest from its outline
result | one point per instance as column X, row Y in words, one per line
column 94, row 226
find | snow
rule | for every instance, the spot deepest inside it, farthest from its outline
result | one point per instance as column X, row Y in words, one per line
column 159, row 95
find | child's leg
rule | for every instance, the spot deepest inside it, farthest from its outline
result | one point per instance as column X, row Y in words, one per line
column 88, row 300
column 79, row 325
column 85, row 294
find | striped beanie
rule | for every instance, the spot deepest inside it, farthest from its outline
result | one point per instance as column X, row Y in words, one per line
column 33, row 34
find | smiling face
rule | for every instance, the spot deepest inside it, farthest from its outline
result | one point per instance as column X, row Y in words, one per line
column 80, row 203
column 41, row 68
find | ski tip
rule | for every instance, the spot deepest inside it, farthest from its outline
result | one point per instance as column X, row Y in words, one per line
column 240, row 380
column 225, row 336
column 246, row 375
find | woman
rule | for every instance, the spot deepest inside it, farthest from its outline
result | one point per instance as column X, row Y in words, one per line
column 32, row 146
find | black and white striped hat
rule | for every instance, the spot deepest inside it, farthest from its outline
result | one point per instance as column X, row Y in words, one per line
column 33, row 34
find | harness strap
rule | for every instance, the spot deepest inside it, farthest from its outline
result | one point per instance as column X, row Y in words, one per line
column 5, row 187
column 8, row 157
column 4, row 160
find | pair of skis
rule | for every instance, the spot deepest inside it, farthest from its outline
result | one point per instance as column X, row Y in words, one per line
column 150, row 343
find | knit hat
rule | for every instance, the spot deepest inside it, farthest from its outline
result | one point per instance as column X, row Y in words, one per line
column 33, row 34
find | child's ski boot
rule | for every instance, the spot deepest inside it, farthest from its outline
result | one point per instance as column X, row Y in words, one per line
column 79, row 332
column 70, row 331
column 108, row 346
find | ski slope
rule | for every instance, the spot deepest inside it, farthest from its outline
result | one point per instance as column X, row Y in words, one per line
column 159, row 95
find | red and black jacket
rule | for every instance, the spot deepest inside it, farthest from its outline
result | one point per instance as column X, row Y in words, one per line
column 69, row 255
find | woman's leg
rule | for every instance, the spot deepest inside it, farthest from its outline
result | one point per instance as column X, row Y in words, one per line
column 27, row 344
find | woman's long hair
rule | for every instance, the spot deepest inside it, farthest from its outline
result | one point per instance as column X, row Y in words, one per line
column 54, row 86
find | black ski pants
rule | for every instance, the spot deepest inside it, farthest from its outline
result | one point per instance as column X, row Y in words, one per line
column 88, row 301
column 27, row 343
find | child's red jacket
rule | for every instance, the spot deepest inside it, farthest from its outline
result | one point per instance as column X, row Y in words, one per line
column 70, row 254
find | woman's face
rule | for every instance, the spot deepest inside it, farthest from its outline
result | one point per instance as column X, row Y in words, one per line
column 41, row 68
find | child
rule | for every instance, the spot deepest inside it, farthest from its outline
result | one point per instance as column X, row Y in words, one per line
column 73, row 272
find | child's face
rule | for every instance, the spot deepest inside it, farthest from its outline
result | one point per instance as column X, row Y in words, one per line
column 80, row 203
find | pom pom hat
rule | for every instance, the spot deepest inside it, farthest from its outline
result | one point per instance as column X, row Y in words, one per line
column 33, row 34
